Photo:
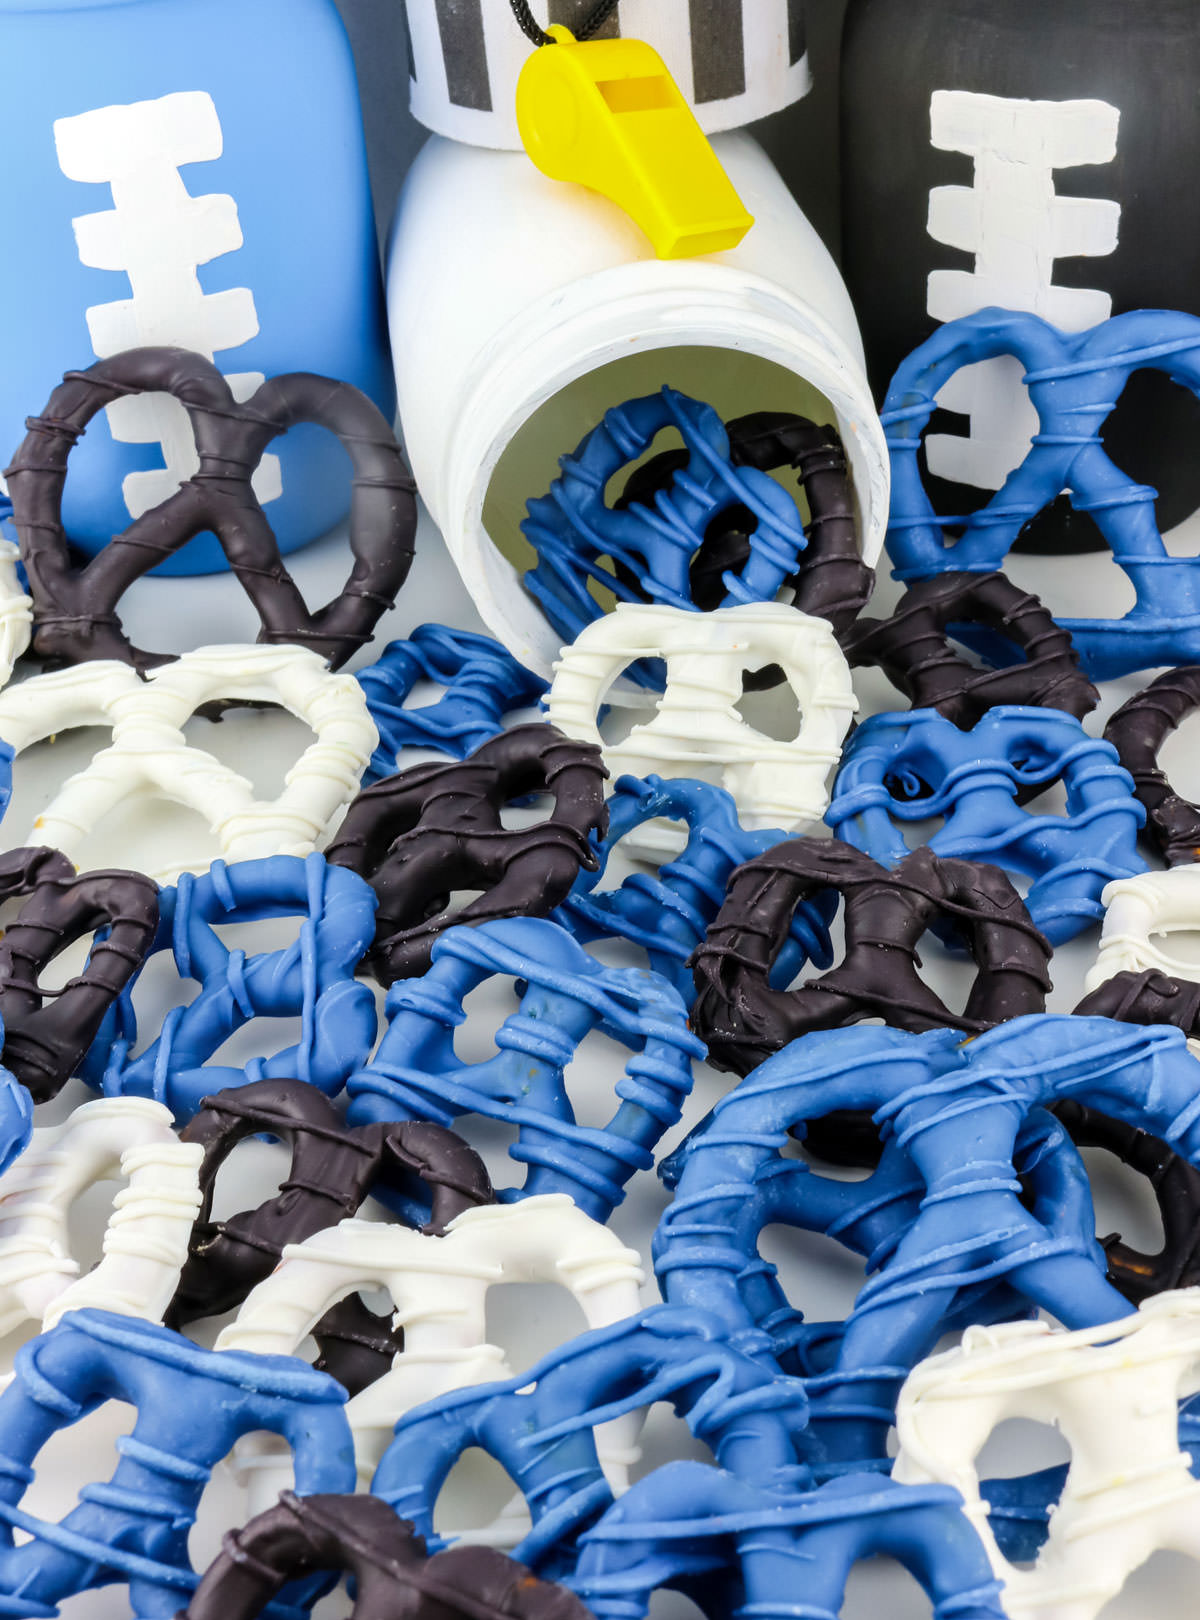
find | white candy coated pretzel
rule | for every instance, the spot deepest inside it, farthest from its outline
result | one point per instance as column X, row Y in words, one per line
column 149, row 754
column 439, row 1288
column 1140, row 915
column 16, row 612
column 146, row 1239
column 696, row 729
column 1114, row 1392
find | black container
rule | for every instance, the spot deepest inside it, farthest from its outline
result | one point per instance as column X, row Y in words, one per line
column 910, row 64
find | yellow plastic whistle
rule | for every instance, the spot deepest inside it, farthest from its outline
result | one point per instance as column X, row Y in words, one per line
column 607, row 114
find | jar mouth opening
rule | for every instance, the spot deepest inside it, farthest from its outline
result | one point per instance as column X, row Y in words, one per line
column 725, row 340
column 733, row 382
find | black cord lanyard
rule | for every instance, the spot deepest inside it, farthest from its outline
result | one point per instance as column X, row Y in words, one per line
column 533, row 30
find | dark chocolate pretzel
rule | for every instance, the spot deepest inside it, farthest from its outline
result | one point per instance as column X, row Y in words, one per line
column 1137, row 731
column 832, row 580
column 1148, row 997
column 334, row 1168
column 75, row 608
column 919, row 658
column 394, row 1578
column 356, row 1345
column 418, row 836
column 743, row 1020
column 47, row 1033
column 1176, row 1186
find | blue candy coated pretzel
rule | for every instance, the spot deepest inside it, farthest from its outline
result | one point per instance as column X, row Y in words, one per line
column 669, row 912
column 911, row 767
column 706, row 1245
column 575, row 533
column 738, row 1549
column 540, row 1425
column 956, row 1111
column 1074, row 382
column 312, row 978
column 564, row 994
column 483, row 682
column 192, row 1406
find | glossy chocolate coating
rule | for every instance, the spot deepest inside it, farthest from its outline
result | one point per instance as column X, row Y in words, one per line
column 356, row 1344
column 1176, row 1186
column 46, row 1034
column 333, row 1169
column 394, row 1578
column 743, row 1020
column 75, row 607
column 1149, row 997
column 917, row 655
column 832, row 580
column 1137, row 731
column 424, row 833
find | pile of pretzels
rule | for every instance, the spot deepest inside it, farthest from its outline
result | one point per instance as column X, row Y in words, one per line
column 685, row 985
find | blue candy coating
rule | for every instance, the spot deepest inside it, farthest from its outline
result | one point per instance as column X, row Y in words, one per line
column 579, row 538
column 669, row 912
column 192, row 1405
column 739, row 1549
column 16, row 1115
column 955, row 1110
column 1074, row 380
column 540, row 1425
column 912, row 767
column 312, row 978
column 706, row 1253
column 483, row 682
column 564, row 994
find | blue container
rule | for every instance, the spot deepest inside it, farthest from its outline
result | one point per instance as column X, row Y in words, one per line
column 188, row 172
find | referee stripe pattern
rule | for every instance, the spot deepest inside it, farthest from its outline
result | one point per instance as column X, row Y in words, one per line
column 464, row 51
column 734, row 60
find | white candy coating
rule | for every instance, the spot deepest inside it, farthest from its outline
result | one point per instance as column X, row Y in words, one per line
column 1140, row 915
column 439, row 1287
column 1114, row 1393
column 16, row 612
column 150, row 756
column 146, row 1239
column 696, row 729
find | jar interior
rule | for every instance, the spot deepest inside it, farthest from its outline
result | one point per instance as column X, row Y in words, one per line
column 735, row 383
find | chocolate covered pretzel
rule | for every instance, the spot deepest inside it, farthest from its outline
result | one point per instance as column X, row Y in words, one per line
column 1176, row 1187
column 75, row 607
column 47, row 1033
column 394, row 1578
column 333, row 1169
column 1137, row 731
column 886, row 912
column 832, row 581
column 914, row 649
column 419, row 836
